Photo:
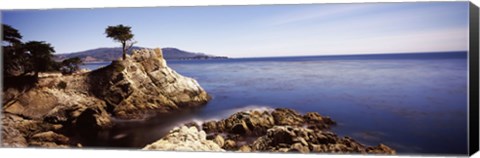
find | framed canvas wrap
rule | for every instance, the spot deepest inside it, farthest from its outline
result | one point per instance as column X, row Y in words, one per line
column 352, row 78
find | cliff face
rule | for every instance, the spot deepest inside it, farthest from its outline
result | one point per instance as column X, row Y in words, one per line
column 144, row 83
column 125, row 89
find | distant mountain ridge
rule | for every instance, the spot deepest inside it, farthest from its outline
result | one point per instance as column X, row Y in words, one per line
column 109, row 54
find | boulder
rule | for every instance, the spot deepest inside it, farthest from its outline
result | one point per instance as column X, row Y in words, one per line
column 210, row 127
column 299, row 139
column 230, row 145
column 49, row 139
column 283, row 116
column 184, row 139
column 245, row 148
column 219, row 140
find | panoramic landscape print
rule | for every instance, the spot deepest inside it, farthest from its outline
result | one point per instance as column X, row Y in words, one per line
column 355, row 78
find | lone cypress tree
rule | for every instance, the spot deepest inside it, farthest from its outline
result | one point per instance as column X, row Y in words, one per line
column 122, row 34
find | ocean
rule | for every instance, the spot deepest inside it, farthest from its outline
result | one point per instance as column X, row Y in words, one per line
column 415, row 103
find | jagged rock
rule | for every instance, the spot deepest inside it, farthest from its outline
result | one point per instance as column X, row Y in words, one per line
column 230, row 145
column 244, row 123
column 381, row 149
column 256, row 123
column 210, row 126
column 219, row 140
column 284, row 116
column 298, row 147
column 85, row 101
column 270, row 133
column 245, row 148
column 49, row 139
column 299, row 139
column 184, row 139
column 193, row 124
column 142, row 83
column 11, row 136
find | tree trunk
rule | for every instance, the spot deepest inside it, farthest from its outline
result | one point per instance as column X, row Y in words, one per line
column 124, row 50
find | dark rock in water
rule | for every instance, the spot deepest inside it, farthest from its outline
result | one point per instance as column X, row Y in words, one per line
column 284, row 116
column 245, row 148
column 193, row 124
column 283, row 130
column 126, row 89
column 298, row 147
column 256, row 123
column 380, row 149
column 210, row 126
column 230, row 145
column 253, row 123
column 298, row 139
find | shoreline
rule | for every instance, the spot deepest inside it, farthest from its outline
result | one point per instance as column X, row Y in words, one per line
column 277, row 130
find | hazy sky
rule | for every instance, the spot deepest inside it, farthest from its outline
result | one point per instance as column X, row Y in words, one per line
column 266, row 30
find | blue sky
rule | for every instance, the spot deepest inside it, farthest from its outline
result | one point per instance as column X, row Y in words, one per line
column 254, row 31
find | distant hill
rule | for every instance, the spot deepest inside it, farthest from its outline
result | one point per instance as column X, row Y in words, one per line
column 109, row 54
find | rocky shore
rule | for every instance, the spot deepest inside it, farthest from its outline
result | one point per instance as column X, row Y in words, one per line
column 279, row 130
column 47, row 113
column 56, row 109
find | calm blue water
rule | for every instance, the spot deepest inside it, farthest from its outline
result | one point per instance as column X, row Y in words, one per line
column 415, row 103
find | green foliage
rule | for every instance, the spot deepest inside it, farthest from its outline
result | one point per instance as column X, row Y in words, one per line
column 41, row 56
column 122, row 34
column 119, row 33
column 20, row 58
column 69, row 66
column 14, row 55
column 11, row 35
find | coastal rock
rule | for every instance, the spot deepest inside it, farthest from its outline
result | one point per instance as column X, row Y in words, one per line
column 299, row 139
column 245, row 148
column 230, row 145
column 219, row 140
column 49, row 139
column 11, row 136
column 143, row 83
column 20, row 132
column 86, row 101
column 283, row 130
column 211, row 126
column 284, row 116
column 256, row 123
column 316, row 121
column 184, row 139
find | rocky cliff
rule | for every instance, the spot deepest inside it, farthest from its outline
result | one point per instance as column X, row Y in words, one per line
column 127, row 89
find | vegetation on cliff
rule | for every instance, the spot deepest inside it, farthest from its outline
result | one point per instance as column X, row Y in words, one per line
column 22, row 59
column 83, row 103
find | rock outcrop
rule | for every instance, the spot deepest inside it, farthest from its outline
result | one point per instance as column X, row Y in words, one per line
column 256, row 123
column 299, row 139
column 127, row 89
column 142, row 83
column 282, row 130
column 184, row 139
